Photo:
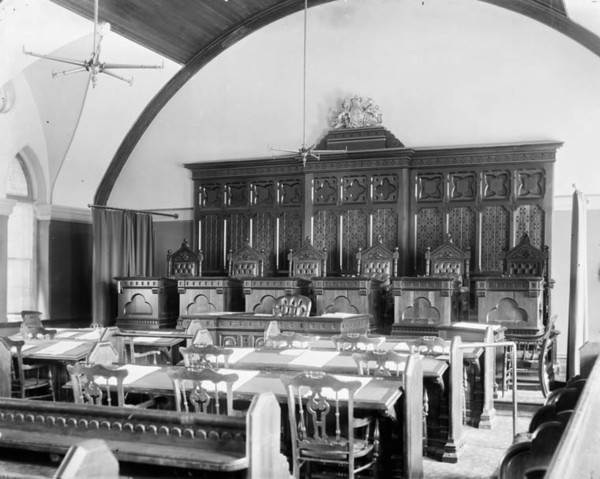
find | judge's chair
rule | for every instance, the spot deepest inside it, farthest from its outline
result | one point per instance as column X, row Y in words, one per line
column 295, row 305
column 326, row 435
column 308, row 262
column 246, row 263
column 377, row 262
column 184, row 262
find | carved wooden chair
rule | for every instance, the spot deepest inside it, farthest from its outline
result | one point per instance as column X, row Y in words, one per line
column 205, row 356
column 356, row 342
column 448, row 261
column 92, row 383
column 534, row 354
column 378, row 262
column 325, row 431
column 184, row 262
column 380, row 363
column 431, row 345
column 103, row 352
column 28, row 381
column 246, row 262
column 295, row 305
column 526, row 260
column 290, row 339
column 308, row 262
column 198, row 390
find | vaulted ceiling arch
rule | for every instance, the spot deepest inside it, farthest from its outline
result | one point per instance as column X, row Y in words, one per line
column 193, row 33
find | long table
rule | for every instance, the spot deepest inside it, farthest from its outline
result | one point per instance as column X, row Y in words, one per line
column 399, row 400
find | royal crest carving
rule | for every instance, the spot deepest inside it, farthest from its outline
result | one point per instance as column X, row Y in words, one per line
column 356, row 112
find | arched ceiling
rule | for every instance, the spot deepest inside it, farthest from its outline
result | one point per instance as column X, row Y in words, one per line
column 192, row 33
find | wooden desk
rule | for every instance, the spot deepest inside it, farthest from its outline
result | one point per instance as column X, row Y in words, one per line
column 382, row 395
column 247, row 330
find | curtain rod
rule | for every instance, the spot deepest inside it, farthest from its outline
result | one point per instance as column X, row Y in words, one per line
column 100, row 207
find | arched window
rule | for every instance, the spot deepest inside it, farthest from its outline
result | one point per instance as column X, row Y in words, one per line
column 21, row 286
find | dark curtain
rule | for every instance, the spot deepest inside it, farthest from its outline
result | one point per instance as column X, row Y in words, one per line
column 123, row 246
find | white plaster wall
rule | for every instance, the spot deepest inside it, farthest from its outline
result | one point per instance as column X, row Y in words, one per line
column 447, row 72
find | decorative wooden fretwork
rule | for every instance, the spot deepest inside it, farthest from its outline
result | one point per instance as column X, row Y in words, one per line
column 237, row 195
column 355, row 189
column 430, row 231
column 325, row 234
column 463, row 186
column 494, row 237
column 238, row 230
column 430, row 187
column 385, row 226
column 485, row 196
column 262, row 193
column 290, row 192
column 263, row 238
column 290, row 235
column 326, row 191
column 529, row 219
column 531, row 184
column 496, row 185
column 385, row 188
column 354, row 236
column 461, row 225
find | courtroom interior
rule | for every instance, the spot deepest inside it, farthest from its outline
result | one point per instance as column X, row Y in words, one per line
column 376, row 218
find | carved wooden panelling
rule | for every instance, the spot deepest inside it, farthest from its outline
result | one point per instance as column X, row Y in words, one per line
column 262, row 193
column 355, row 189
column 385, row 226
column 463, row 186
column 290, row 192
column 326, row 191
column 211, row 240
column 462, row 227
column 496, row 185
column 325, row 235
column 238, row 231
column 430, row 232
column 237, row 195
column 494, row 237
column 211, row 196
column 290, row 235
column 354, row 236
column 430, row 187
column 385, row 188
column 263, row 237
column 530, row 219
column 531, row 184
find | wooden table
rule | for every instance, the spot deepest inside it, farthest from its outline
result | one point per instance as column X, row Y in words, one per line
column 396, row 399
column 167, row 341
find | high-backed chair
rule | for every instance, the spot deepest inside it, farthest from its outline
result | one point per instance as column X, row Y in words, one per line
column 103, row 352
column 206, row 356
column 198, row 333
column 246, row 262
column 292, row 305
column 356, row 342
column 378, row 262
column 184, row 262
column 28, row 381
column 308, row 262
column 324, row 430
column 448, row 261
column 197, row 390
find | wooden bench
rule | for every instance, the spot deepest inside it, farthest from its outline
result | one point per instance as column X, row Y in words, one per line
column 205, row 442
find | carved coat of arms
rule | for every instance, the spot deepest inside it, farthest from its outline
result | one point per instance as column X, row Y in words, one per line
column 356, row 112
